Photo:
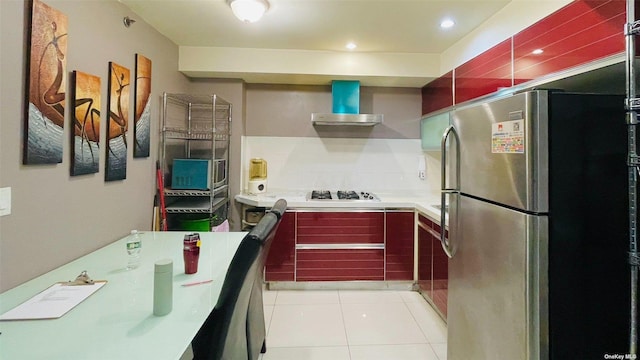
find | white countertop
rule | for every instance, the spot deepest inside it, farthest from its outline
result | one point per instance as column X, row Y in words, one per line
column 388, row 200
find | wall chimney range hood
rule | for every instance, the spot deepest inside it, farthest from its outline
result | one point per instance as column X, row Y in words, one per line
column 346, row 107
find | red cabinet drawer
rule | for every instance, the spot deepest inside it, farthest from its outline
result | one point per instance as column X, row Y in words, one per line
column 340, row 228
column 337, row 265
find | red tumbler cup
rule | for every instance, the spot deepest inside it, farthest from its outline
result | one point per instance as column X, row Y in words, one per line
column 191, row 252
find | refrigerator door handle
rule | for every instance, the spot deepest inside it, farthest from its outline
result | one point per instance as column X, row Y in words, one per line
column 446, row 244
column 443, row 144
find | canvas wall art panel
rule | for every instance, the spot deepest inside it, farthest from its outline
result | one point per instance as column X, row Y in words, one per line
column 117, row 122
column 142, row 107
column 45, row 86
column 85, row 120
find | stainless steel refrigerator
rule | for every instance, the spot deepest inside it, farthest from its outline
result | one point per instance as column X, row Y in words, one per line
column 536, row 184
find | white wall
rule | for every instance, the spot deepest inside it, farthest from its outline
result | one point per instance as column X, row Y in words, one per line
column 55, row 217
column 380, row 165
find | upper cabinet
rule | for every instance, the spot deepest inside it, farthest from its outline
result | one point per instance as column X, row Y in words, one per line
column 431, row 130
column 570, row 41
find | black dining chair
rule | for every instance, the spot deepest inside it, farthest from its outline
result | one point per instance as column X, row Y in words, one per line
column 223, row 336
column 279, row 208
column 256, row 330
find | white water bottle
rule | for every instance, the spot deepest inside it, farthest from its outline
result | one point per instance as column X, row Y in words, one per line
column 134, row 246
column 163, row 287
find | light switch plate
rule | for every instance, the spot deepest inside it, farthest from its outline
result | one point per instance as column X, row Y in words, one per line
column 5, row 201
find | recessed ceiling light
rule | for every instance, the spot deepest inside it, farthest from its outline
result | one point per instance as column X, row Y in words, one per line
column 351, row 46
column 537, row 51
column 447, row 23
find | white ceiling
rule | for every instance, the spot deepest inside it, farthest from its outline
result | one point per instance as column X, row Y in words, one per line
column 405, row 26
column 377, row 26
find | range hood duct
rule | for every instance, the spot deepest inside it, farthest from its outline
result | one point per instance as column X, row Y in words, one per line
column 346, row 107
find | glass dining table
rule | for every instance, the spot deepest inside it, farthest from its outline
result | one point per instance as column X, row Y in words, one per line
column 117, row 321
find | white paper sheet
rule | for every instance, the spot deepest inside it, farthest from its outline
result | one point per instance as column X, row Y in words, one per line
column 52, row 303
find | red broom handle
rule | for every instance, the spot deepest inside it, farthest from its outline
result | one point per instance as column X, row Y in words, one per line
column 163, row 209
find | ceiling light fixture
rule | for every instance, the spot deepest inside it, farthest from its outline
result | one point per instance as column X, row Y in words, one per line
column 249, row 10
column 537, row 51
column 351, row 46
column 447, row 23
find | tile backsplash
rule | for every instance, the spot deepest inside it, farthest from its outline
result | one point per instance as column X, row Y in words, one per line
column 305, row 163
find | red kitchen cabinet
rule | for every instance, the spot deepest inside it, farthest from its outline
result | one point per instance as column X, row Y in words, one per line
column 343, row 246
column 440, row 272
column 280, row 264
column 342, row 227
column 484, row 74
column 339, row 264
column 425, row 257
column 579, row 33
column 399, row 244
column 432, row 264
column 340, row 246
column 438, row 94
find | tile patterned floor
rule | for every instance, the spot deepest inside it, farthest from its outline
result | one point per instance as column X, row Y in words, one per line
column 352, row 325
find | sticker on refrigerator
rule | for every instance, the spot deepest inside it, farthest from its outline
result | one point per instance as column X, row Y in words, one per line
column 507, row 137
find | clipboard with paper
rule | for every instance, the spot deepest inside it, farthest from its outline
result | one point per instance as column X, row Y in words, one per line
column 56, row 300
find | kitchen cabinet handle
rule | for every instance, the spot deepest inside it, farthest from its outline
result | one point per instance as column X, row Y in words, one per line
column 424, row 226
column 434, row 233
column 429, row 229
column 446, row 244
column 354, row 246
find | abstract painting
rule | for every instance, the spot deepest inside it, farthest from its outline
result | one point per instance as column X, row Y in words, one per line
column 85, row 119
column 45, row 86
column 118, row 122
column 142, row 107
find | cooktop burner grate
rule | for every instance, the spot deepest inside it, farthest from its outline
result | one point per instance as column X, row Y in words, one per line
column 321, row 195
column 341, row 195
column 348, row 195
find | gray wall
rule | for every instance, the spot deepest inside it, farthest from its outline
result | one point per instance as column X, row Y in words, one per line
column 55, row 217
column 285, row 110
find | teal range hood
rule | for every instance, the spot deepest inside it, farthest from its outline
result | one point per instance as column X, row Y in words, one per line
column 346, row 107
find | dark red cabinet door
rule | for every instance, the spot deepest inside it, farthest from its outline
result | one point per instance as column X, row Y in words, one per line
column 399, row 245
column 280, row 264
column 425, row 257
column 440, row 273
column 433, row 264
